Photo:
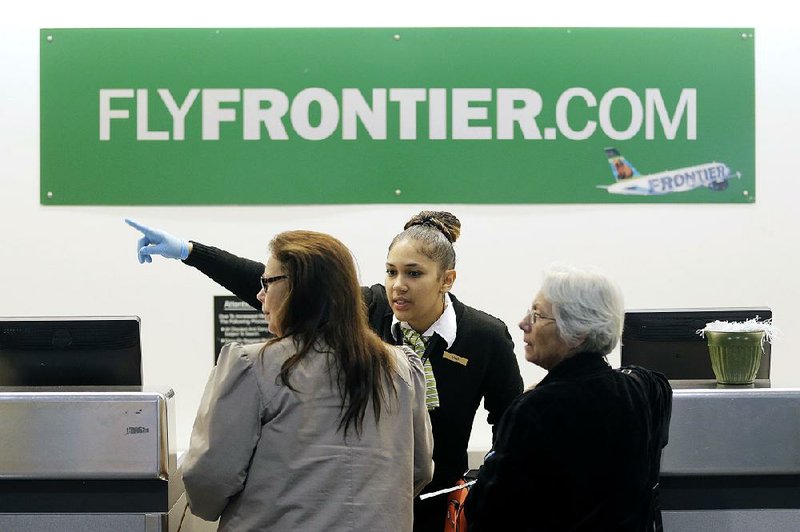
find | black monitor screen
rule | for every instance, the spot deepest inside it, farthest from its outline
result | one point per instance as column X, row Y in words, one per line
column 70, row 351
column 667, row 340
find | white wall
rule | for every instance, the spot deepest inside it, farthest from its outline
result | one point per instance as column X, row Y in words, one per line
column 81, row 260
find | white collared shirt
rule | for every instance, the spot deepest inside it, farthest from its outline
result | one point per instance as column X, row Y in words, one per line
column 445, row 326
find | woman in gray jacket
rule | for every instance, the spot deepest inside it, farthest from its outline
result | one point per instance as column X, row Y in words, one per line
column 324, row 427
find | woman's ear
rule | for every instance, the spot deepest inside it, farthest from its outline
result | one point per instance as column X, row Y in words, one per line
column 448, row 278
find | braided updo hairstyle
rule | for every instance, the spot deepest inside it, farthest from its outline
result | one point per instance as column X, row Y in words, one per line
column 434, row 233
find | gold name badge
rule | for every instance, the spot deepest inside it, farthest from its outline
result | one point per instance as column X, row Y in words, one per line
column 455, row 358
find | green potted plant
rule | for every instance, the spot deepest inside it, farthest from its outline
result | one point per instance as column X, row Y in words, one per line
column 736, row 347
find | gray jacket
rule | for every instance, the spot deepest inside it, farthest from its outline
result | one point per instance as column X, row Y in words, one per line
column 264, row 457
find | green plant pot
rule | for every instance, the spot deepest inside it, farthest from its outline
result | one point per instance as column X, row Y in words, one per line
column 735, row 356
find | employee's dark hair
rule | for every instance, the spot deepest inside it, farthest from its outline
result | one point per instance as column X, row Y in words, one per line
column 324, row 303
column 434, row 233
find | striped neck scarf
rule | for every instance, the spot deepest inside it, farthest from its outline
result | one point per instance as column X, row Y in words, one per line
column 418, row 343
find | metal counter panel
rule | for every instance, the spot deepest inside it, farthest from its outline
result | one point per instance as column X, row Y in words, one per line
column 84, row 435
column 732, row 521
column 733, row 431
column 85, row 522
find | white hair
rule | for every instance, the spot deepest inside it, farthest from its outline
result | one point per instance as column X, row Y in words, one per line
column 587, row 306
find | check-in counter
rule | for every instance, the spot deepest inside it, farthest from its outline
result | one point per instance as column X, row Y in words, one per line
column 733, row 459
column 88, row 459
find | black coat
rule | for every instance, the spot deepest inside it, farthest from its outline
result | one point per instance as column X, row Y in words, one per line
column 579, row 452
column 486, row 370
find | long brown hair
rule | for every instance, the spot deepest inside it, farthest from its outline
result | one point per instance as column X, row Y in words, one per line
column 325, row 303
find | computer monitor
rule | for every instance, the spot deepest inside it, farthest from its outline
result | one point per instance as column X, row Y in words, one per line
column 70, row 351
column 667, row 340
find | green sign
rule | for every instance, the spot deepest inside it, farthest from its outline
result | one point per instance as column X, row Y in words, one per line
column 297, row 116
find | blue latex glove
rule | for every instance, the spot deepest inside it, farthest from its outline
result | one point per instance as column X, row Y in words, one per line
column 155, row 242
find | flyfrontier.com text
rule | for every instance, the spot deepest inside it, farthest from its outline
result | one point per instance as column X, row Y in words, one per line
column 458, row 114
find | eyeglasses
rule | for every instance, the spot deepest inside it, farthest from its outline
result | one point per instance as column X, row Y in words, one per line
column 266, row 281
column 533, row 316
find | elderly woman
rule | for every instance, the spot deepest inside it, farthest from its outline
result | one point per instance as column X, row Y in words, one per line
column 323, row 427
column 581, row 450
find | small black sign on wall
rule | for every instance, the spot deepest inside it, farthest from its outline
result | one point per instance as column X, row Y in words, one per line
column 236, row 321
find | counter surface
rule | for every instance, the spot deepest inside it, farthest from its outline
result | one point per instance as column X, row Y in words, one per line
column 733, row 430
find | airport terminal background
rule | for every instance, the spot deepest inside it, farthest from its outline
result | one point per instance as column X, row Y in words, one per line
column 81, row 260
